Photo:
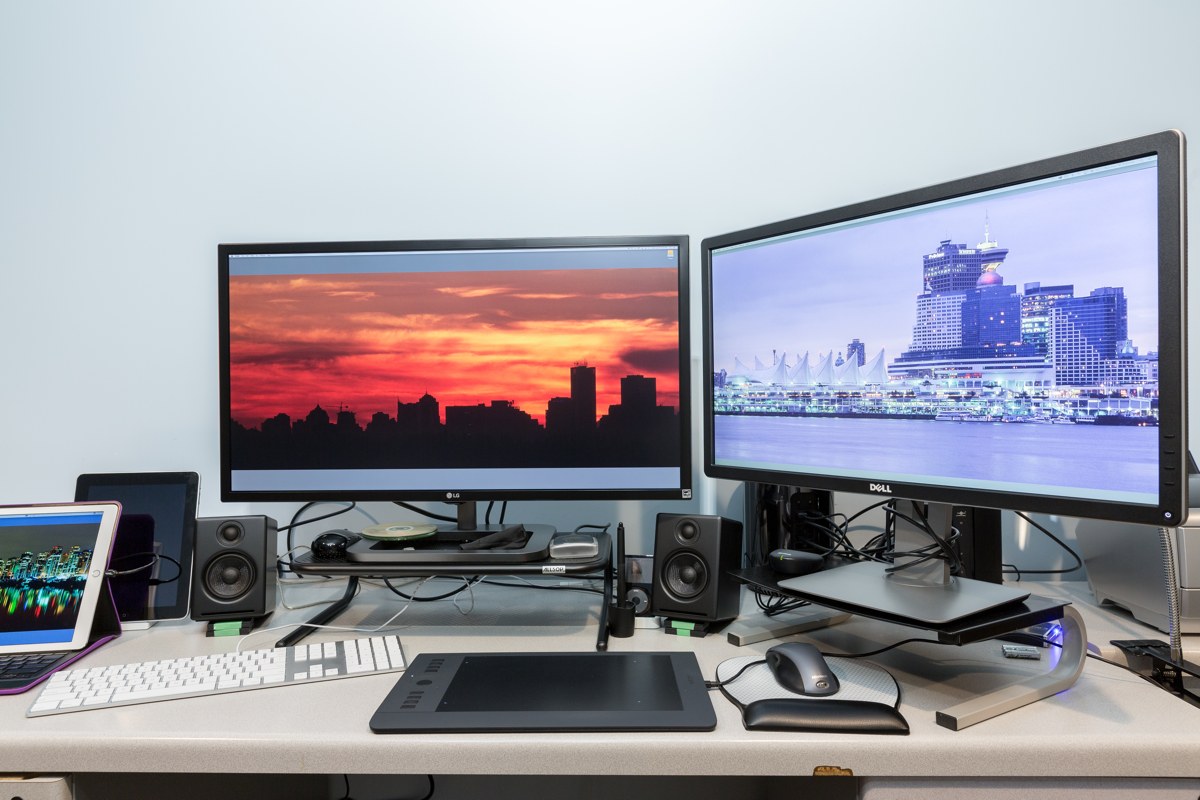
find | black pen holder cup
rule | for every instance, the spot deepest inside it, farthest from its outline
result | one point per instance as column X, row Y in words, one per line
column 620, row 620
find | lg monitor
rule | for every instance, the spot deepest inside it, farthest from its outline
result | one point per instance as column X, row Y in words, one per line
column 456, row 371
column 1012, row 340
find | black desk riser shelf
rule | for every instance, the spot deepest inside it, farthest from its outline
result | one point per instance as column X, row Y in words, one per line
column 438, row 561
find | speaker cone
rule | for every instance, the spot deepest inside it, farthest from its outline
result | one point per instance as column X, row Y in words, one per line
column 685, row 575
column 229, row 576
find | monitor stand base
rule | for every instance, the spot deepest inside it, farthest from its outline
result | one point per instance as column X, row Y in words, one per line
column 754, row 628
column 1061, row 676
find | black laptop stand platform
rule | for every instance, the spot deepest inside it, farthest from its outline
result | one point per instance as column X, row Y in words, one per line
column 437, row 560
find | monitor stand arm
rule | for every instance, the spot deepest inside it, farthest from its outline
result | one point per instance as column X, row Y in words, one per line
column 325, row 615
column 1014, row 695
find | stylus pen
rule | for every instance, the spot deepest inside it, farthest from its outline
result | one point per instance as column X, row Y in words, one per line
column 620, row 565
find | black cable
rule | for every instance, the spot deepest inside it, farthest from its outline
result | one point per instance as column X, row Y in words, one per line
column 117, row 573
column 773, row 603
column 295, row 523
column 551, row 588
column 467, row 584
column 423, row 512
column 892, row 646
column 710, row 685
column 925, row 554
column 1058, row 541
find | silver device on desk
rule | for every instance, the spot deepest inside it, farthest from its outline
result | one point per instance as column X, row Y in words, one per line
column 1125, row 566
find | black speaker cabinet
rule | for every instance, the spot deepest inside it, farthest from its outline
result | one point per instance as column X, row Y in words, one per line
column 693, row 554
column 233, row 573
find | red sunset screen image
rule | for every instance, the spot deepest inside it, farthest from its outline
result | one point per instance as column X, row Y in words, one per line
column 541, row 367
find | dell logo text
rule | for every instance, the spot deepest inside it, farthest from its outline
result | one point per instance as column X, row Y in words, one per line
column 880, row 487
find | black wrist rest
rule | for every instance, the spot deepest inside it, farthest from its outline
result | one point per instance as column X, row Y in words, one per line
column 822, row 716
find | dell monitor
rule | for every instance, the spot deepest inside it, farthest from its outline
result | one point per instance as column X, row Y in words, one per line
column 1013, row 340
column 456, row 371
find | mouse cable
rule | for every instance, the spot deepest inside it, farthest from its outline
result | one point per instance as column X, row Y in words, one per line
column 347, row 795
column 892, row 646
column 710, row 685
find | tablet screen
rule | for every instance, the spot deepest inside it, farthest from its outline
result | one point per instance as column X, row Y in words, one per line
column 51, row 573
column 152, row 554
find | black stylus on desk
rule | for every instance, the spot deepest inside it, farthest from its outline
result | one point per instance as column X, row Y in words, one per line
column 621, row 613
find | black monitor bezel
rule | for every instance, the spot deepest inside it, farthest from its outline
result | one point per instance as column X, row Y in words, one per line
column 454, row 493
column 1169, row 147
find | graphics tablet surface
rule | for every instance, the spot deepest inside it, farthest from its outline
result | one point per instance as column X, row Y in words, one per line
column 525, row 692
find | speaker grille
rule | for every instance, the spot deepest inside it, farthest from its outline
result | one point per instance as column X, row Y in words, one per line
column 685, row 575
column 229, row 576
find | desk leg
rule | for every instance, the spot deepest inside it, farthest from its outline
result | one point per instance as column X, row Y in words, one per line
column 1060, row 677
column 323, row 616
column 602, row 634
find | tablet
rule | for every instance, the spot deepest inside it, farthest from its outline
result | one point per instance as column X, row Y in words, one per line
column 52, row 564
column 527, row 692
column 152, row 553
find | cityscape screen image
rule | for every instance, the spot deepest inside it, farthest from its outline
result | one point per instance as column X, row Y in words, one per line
column 492, row 370
column 42, row 579
column 1005, row 340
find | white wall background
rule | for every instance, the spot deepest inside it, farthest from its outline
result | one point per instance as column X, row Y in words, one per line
column 135, row 136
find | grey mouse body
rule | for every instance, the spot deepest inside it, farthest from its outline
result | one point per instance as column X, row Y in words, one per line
column 799, row 667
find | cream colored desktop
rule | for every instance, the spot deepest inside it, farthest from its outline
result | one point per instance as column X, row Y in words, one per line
column 1111, row 727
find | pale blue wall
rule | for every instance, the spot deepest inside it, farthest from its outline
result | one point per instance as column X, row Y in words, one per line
column 136, row 136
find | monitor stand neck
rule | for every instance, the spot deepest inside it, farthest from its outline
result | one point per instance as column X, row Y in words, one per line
column 467, row 516
column 911, row 538
column 467, row 527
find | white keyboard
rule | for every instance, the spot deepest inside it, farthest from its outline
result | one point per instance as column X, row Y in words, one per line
column 170, row 679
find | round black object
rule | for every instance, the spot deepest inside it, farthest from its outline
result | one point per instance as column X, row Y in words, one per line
column 795, row 562
column 686, row 531
column 331, row 545
column 230, row 533
column 685, row 575
column 229, row 576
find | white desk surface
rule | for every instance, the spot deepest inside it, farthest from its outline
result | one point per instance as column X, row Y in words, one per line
column 1111, row 723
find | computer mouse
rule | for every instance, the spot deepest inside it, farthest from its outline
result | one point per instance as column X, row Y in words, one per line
column 795, row 562
column 331, row 545
column 799, row 667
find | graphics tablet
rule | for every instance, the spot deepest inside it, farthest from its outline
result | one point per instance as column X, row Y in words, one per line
column 527, row 692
